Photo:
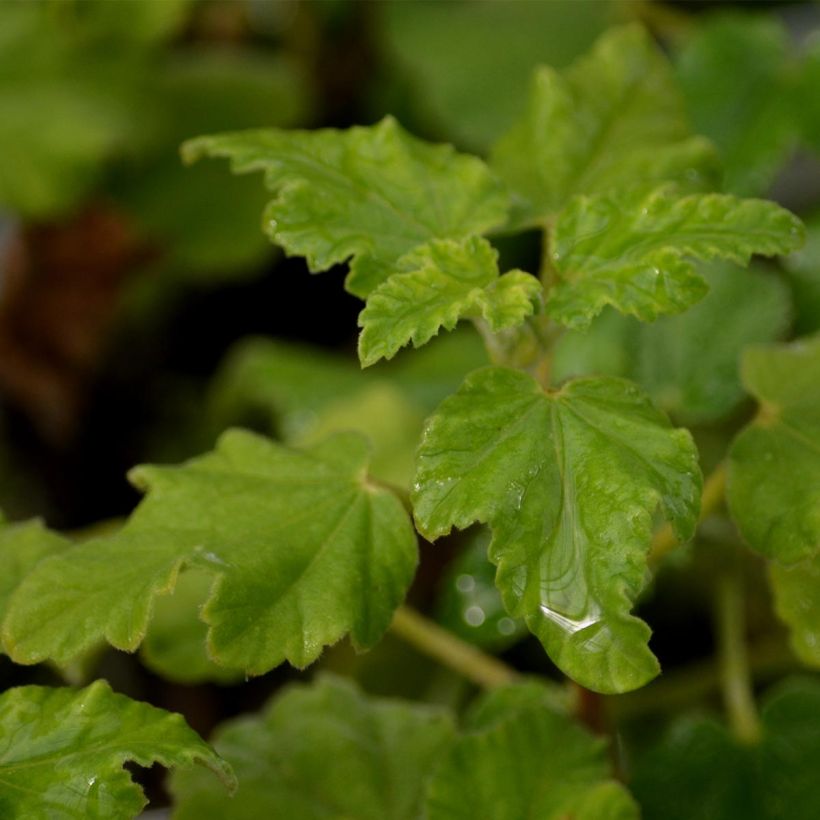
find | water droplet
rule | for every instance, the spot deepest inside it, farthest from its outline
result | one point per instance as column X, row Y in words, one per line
column 474, row 616
column 568, row 624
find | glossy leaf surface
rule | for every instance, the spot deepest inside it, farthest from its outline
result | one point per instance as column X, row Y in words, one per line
column 634, row 250
column 62, row 752
column 614, row 119
column 322, row 751
column 520, row 758
column 699, row 772
column 568, row 482
column 370, row 194
column 774, row 464
column 306, row 551
column 438, row 284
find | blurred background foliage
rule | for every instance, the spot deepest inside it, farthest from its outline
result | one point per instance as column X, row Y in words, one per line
column 142, row 310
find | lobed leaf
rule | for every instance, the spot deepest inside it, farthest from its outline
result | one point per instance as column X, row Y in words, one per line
column 438, row 284
column 769, row 780
column 62, row 752
column 322, row 751
column 615, row 118
column 774, row 463
column 690, row 363
column 633, row 250
column 568, row 482
column 521, row 758
column 368, row 194
column 306, row 550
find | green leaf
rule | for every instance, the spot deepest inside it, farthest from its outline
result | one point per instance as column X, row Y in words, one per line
column 175, row 643
column 568, row 482
column 522, row 759
column 22, row 547
column 614, row 119
column 774, row 463
column 803, row 269
column 450, row 80
column 307, row 550
column 634, row 250
column 699, row 772
column 469, row 602
column 796, row 590
column 367, row 194
column 322, row 751
column 737, row 78
column 438, row 284
column 62, row 752
column 690, row 363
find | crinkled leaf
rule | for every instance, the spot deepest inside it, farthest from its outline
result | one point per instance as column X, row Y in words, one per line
column 306, row 551
column 367, row 194
column 634, row 250
column 774, row 463
column 690, row 363
column 438, row 284
column 322, row 751
column 737, row 79
column 614, row 119
column 523, row 759
column 62, row 752
column 469, row 602
column 699, row 772
column 450, row 78
column 568, row 482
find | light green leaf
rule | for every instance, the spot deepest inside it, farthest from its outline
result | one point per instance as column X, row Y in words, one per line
column 737, row 78
column 525, row 760
column 614, row 119
column 22, row 547
column 568, row 482
column 319, row 752
column 62, row 752
column 796, row 590
column 438, row 284
column 175, row 643
column 690, row 363
column 307, row 550
column 367, row 194
column 634, row 250
column 700, row 772
column 774, row 463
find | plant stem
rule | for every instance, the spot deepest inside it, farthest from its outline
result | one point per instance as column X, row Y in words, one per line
column 735, row 676
column 429, row 638
column 665, row 539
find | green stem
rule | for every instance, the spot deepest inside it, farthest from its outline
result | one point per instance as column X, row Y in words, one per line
column 429, row 638
column 735, row 676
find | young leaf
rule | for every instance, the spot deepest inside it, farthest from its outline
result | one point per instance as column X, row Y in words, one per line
column 614, row 119
column 774, row 463
column 367, row 194
column 699, row 772
column 306, row 551
column 568, row 482
column 633, row 250
column 690, row 363
column 322, row 751
column 438, row 284
column 522, row 759
column 62, row 752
